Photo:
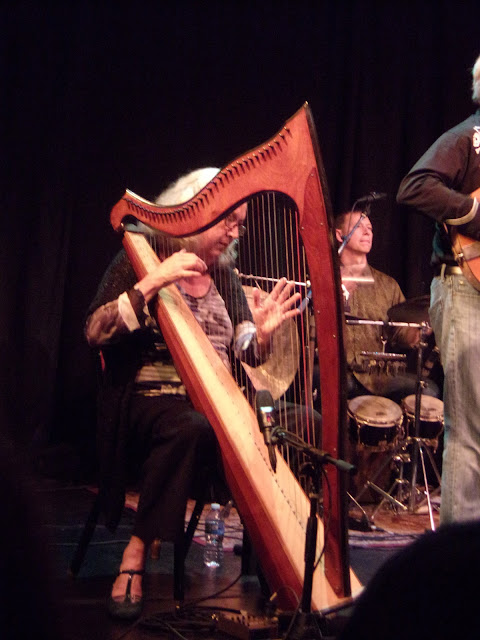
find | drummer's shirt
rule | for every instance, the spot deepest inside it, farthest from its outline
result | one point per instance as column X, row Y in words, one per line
column 371, row 302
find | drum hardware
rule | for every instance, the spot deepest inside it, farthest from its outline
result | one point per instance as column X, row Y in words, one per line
column 349, row 319
column 413, row 310
column 399, row 491
column 380, row 362
column 411, row 448
column 429, row 428
column 431, row 419
column 402, row 489
column 420, row 447
column 406, row 491
column 373, row 415
column 375, row 422
column 365, row 524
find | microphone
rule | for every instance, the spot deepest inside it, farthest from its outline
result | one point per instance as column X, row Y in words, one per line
column 371, row 197
column 266, row 421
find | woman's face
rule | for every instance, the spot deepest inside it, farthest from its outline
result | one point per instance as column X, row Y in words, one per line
column 210, row 244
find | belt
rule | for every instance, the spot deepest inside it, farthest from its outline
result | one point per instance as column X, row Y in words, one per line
column 447, row 270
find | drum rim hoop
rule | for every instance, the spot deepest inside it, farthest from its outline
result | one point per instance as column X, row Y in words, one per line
column 430, row 417
column 391, row 421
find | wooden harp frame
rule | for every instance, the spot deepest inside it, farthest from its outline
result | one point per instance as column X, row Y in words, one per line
column 288, row 163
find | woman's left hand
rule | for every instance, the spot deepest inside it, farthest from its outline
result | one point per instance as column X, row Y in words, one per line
column 271, row 311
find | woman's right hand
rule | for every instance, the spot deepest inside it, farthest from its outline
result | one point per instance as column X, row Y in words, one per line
column 182, row 264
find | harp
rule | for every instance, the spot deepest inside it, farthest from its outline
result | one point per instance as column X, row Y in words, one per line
column 283, row 179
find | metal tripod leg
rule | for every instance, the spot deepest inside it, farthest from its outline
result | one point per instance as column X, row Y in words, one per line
column 377, row 474
column 398, row 486
column 418, row 442
column 422, row 446
column 365, row 519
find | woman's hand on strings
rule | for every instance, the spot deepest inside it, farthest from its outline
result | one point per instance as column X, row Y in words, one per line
column 182, row 264
column 271, row 311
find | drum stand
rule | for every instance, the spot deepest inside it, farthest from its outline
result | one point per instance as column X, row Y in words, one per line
column 419, row 447
column 404, row 492
column 399, row 490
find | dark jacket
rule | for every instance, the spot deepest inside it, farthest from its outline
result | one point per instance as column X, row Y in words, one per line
column 121, row 363
column 439, row 184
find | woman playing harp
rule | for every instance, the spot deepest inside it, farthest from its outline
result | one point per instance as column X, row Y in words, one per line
column 147, row 420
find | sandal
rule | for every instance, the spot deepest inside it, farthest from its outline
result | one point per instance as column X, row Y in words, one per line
column 126, row 607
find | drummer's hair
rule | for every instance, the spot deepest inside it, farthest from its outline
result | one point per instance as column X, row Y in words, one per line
column 341, row 218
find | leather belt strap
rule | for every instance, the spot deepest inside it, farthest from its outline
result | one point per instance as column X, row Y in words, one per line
column 447, row 270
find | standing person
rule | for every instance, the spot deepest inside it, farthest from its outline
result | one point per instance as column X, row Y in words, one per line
column 146, row 420
column 445, row 185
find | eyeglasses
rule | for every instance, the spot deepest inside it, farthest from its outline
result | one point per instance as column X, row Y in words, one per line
column 231, row 222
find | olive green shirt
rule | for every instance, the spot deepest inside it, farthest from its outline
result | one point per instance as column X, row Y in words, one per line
column 371, row 302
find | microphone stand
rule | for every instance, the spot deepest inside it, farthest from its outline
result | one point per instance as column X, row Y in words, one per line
column 304, row 624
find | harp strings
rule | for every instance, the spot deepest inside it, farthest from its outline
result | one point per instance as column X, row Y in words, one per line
column 271, row 249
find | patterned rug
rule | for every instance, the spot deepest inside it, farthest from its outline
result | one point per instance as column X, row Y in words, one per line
column 233, row 525
column 388, row 529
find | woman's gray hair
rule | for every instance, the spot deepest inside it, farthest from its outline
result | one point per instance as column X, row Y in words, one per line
column 476, row 81
column 186, row 186
column 182, row 190
column 178, row 192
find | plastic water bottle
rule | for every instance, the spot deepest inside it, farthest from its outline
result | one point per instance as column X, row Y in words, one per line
column 214, row 532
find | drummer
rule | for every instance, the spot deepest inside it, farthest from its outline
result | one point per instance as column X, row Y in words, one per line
column 369, row 294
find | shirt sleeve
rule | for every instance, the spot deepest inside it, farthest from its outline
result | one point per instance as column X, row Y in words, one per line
column 437, row 186
column 111, row 321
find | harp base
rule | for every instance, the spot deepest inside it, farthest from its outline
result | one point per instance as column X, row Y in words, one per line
column 305, row 625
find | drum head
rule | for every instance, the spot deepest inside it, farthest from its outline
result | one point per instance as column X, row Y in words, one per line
column 431, row 409
column 375, row 410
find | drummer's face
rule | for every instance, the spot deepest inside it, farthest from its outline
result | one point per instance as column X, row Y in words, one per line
column 361, row 240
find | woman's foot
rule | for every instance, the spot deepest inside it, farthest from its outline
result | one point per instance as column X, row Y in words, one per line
column 126, row 599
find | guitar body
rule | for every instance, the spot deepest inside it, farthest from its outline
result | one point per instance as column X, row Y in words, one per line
column 467, row 253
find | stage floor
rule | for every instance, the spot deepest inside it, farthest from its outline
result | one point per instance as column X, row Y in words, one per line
column 80, row 602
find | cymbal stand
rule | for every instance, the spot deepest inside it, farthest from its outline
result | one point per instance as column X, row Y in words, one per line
column 408, row 491
column 399, row 453
column 399, row 487
column 419, row 445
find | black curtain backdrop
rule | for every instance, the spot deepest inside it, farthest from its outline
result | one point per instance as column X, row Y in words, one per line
column 100, row 96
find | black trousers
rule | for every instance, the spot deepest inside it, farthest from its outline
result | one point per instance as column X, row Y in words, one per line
column 175, row 450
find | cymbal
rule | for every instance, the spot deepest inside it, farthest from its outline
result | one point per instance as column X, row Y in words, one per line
column 413, row 310
column 277, row 373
